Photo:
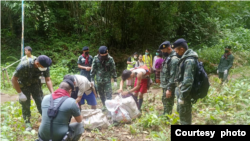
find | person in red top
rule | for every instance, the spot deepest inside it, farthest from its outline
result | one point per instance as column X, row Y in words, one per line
column 141, row 83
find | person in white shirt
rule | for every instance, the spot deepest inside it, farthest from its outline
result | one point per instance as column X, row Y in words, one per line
column 139, row 63
column 84, row 89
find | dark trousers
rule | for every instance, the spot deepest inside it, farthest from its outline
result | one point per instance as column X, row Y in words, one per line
column 36, row 92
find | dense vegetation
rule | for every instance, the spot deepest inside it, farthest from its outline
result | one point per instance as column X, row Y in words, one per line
column 59, row 29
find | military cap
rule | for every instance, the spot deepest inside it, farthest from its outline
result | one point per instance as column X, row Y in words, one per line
column 44, row 60
column 178, row 42
column 103, row 50
column 228, row 47
column 85, row 48
column 28, row 48
column 164, row 45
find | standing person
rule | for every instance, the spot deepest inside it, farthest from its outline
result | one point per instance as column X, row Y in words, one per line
column 61, row 123
column 139, row 63
column 226, row 62
column 140, row 87
column 84, row 62
column 103, row 68
column 131, row 64
column 158, row 66
column 184, row 79
column 84, row 90
column 167, row 76
column 147, row 59
column 155, row 58
column 26, row 82
column 28, row 54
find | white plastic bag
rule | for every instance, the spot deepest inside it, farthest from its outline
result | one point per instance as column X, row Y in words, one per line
column 94, row 119
column 130, row 106
column 122, row 109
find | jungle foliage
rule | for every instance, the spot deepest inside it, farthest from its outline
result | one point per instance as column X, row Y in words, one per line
column 62, row 28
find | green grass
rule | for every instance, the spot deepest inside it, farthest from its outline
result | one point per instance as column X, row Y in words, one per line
column 225, row 104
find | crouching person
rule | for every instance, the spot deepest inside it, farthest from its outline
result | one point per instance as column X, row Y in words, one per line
column 141, row 83
column 60, row 127
column 84, row 90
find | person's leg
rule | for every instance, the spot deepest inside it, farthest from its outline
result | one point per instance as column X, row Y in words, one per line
column 169, row 104
column 26, row 107
column 221, row 74
column 135, row 96
column 37, row 94
column 100, row 87
column 185, row 112
column 91, row 100
column 140, row 100
column 225, row 77
column 76, row 130
column 108, row 90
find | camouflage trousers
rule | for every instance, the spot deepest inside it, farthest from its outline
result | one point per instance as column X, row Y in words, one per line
column 168, row 103
column 184, row 110
column 223, row 77
column 36, row 91
column 105, row 91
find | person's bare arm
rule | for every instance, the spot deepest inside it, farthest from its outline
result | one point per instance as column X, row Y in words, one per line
column 78, row 99
column 81, row 67
column 129, row 62
column 15, row 84
column 139, row 77
column 49, row 84
column 78, row 118
column 121, row 86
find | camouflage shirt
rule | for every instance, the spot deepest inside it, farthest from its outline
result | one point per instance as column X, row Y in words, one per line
column 103, row 70
column 27, row 74
column 168, row 71
column 185, row 85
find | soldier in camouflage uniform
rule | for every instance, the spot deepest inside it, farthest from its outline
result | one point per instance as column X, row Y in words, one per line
column 226, row 62
column 184, row 80
column 167, row 76
column 103, row 67
column 28, row 79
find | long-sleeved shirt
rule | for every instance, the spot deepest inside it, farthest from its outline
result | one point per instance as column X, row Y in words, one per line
column 103, row 70
column 225, row 63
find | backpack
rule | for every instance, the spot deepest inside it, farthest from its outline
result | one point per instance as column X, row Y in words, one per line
column 201, row 83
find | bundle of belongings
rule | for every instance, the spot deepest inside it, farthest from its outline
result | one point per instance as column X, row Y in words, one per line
column 123, row 108
column 94, row 118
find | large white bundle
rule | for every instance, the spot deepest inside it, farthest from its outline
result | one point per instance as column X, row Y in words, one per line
column 94, row 119
column 122, row 109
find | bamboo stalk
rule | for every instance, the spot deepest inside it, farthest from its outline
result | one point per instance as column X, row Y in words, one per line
column 7, row 75
column 3, row 78
column 22, row 42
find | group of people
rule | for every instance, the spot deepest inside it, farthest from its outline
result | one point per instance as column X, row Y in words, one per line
column 95, row 75
column 154, row 64
column 176, row 66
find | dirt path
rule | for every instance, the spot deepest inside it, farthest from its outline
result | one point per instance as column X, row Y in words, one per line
column 6, row 97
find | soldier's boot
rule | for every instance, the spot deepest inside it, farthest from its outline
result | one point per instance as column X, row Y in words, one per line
column 28, row 126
